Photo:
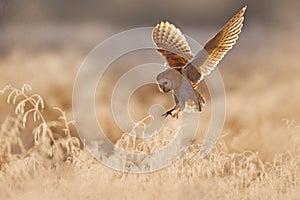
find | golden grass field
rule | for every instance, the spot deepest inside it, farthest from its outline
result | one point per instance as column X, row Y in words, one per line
column 257, row 157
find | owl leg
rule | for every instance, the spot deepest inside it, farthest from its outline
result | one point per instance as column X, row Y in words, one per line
column 176, row 110
column 175, row 113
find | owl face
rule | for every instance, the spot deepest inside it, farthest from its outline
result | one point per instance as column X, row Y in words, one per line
column 165, row 85
column 169, row 80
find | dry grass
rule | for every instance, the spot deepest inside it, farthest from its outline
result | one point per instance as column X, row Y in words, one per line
column 55, row 166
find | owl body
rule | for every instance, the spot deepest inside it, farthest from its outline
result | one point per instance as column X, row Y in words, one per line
column 186, row 70
column 186, row 97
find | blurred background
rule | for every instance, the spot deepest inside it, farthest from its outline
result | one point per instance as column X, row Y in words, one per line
column 57, row 24
column 43, row 44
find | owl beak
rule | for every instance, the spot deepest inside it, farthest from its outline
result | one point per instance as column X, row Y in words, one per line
column 164, row 89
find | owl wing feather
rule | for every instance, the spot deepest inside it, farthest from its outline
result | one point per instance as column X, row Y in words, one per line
column 219, row 45
column 172, row 44
column 216, row 48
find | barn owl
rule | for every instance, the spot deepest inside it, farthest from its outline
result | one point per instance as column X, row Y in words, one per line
column 187, row 70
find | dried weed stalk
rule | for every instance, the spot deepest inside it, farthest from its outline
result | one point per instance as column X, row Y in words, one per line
column 48, row 151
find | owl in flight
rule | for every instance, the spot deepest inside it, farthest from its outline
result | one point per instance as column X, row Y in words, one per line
column 187, row 70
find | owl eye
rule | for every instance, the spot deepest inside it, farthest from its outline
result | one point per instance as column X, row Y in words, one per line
column 163, row 81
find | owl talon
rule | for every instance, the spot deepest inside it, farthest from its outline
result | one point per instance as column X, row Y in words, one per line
column 171, row 113
column 167, row 113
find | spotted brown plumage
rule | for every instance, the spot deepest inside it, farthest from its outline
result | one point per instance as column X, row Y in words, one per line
column 187, row 70
column 173, row 59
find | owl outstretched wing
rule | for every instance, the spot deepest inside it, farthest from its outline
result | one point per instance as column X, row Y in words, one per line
column 172, row 44
column 216, row 48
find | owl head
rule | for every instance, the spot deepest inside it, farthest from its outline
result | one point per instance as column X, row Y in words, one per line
column 164, row 84
column 165, row 80
column 168, row 80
